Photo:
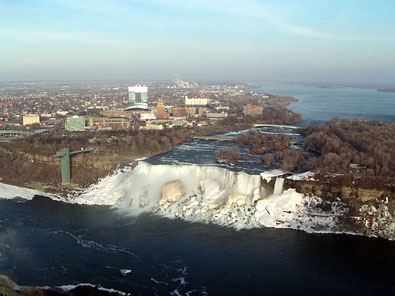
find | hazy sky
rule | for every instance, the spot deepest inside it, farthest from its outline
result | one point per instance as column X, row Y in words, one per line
column 294, row 40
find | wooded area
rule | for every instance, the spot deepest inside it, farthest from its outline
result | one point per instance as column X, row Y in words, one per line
column 365, row 146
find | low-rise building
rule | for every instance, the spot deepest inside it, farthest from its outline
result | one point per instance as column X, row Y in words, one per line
column 108, row 122
column 196, row 101
column 117, row 113
column 191, row 111
column 180, row 122
column 75, row 124
column 147, row 115
column 29, row 119
column 150, row 126
column 216, row 116
column 202, row 111
column 179, row 112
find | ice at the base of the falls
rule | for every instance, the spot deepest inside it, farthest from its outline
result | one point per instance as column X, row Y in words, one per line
column 212, row 195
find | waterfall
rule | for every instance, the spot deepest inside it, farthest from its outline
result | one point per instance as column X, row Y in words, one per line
column 278, row 186
column 195, row 193
column 140, row 189
column 204, row 194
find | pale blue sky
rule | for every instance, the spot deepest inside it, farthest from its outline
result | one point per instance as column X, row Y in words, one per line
column 337, row 40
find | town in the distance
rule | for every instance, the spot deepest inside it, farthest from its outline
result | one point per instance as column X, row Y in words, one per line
column 119, row 122
column 46, row 107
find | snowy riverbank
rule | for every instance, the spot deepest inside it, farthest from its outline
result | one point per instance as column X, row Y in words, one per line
column 11, row 192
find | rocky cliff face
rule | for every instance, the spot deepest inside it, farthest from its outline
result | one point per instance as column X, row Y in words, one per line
column 371, row 211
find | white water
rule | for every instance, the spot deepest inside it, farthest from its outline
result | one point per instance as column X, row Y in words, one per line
column 140, row 189
column 278, row 186
column 212, row 195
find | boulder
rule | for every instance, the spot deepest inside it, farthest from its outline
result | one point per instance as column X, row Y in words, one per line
column 236, row 198
column 172, row 191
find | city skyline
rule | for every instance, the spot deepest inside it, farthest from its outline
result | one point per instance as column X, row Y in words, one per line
column 347, row 41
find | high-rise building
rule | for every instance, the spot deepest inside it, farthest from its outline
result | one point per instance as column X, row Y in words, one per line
column 160, row 110
column 138, row 96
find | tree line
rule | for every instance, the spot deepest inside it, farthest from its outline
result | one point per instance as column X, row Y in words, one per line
column 366, row 145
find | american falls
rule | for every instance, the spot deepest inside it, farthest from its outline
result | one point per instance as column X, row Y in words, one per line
column 208, row 194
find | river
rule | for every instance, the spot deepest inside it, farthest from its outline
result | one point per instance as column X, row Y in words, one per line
column 322, row 104
column 50, row 243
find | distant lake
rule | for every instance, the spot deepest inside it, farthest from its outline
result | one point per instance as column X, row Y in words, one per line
column 321, row 104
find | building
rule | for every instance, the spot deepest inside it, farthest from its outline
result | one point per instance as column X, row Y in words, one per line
column 253, row 110
column 116, row 113
column 6, row 135
column 180, row 123
column 75, row 124
column 202, row 111
column 93, row 111
column 222, row 108
column 151, row 126
column 108, row 122
column 31, row 119
column 138, row 97
column 6, row 105
column 160, row 109
column 185, row 84
column 216, row 116
column 191, row 111
column 179, row 112
column 196, row 101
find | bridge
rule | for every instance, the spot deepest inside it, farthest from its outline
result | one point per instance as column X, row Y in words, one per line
column 274, row 125
column 216, row 138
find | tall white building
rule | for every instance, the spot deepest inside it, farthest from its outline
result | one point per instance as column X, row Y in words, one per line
column 138, row 97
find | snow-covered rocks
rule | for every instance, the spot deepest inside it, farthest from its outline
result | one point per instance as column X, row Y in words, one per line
column 236, row 199
column 172, row 191
column 279, row 208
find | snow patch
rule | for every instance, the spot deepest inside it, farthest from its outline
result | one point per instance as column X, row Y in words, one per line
column 303, row 176
column 12, row 192
column 267, row 176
